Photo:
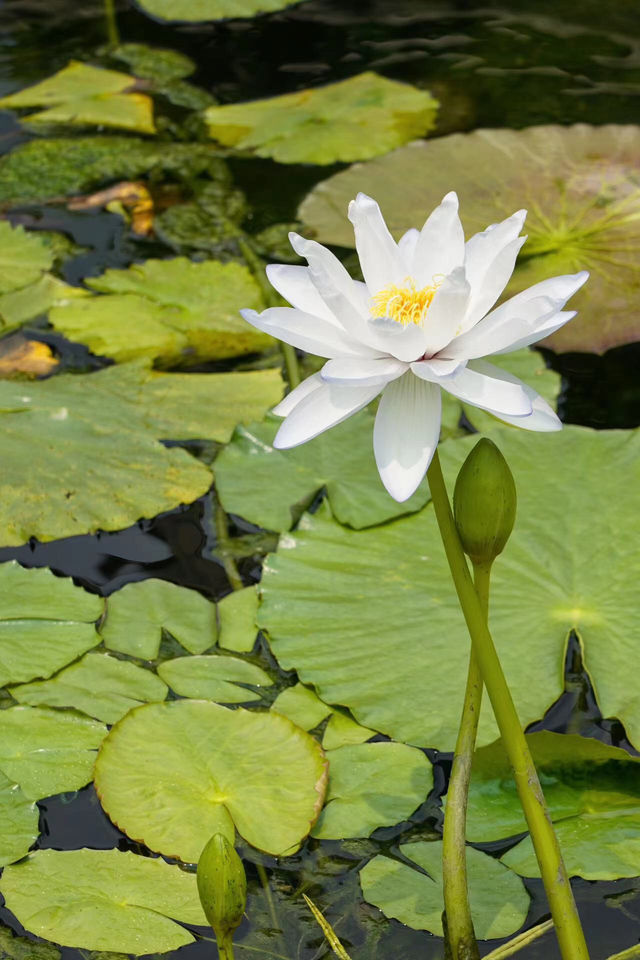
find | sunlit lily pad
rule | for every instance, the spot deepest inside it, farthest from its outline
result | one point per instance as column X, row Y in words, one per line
column 47, row 751
column 182, row 312
column 195, row 10
column 499, row 901
column 170, row 774
column 237, row 620
column 593, row 793
column 45, row 622
column 389, row 591
column 305, row 708
column 99, row 685
column 223, row 679
column 82, row 453
column 353, row 119
column 580, row 185
column 139, row 612
column 18, row 822
column 372, row 785
column 103, row 900
column 83, row 95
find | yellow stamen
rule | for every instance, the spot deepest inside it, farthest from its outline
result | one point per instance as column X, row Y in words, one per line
column 404, row 304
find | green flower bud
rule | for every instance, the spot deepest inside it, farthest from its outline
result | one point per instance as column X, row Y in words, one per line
column 222, row 886
column 484, row 502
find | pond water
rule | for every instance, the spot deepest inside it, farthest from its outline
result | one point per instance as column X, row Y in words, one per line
column 512, row 65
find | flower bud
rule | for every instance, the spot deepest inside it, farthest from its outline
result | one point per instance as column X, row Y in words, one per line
column 484, row 502
column 222, row 886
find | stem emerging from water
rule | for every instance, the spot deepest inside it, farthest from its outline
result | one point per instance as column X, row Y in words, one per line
column 112, row 24
column 554, row 875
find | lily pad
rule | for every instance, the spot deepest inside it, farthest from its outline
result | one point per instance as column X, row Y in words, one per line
column 99, row 685
column 139, row 612
column 103, row 900
column 170, row 774
column 342, row 731
column 45, row 622
column 237, row 620
column 571, row 563
column 498, row 898
column 46, row 751
column 196, row 10
column 353, row 119
column 18, row 822
column 223, row 679
column 182, row 312
column 84, row 95
column 579, row 183
column 372, row 785
column 593, row 793
column 305, row 708
column 99, row 458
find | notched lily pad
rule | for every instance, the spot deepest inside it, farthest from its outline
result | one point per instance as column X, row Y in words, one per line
column 103, row 900
column 353, row 119
column 498, row 898
column 219, row 678
column 171, row 774
column 579, row 183
column 305, row 708
column 18, row 823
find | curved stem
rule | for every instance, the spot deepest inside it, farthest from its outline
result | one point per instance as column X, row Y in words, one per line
column 554, row 875
column 521, row 941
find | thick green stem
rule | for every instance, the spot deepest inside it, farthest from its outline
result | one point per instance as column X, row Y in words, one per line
column 554, row 875
column 225, row 947
column 112, row 24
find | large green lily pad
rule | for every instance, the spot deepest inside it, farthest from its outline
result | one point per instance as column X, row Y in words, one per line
column 171, row 774
column 372, row 785
column 353, row 119
column 103, row 900
column 593, row 793
column 579, row 183
column 139, row 612
column 572, row 563
column 46, row 751
column 84, row 95
column 182, row 312
column 99, row 685
column 45, row 622
column 220, row 678
column 83, row 452
column 18, row 821
column 196, row 10
column 499, row 901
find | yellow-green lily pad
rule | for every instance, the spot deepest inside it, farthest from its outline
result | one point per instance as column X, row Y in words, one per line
column 304, row 707
column 170, row 774
column 18, row 821
column 220, row 678
column 196, row 10
column 103, row 900
column 353, row 119
column 237, row 620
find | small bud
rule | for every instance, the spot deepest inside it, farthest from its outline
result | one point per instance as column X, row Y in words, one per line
column 484, row 502
column 222, row 886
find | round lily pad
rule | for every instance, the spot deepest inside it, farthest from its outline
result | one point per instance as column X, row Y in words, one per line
column 18, row 821
column 372, row 785
column 579, row 184
column 389, row 590
column 196, row 10
column 103, row 900
column 223, row 679
column 170, row 774
column 498, row 898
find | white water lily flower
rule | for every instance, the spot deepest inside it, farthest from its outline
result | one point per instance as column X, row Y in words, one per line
column 419, row 324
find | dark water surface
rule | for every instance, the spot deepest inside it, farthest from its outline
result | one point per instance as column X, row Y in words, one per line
column 510, row 65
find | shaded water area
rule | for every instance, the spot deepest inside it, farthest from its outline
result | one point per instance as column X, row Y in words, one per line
column 512, row 65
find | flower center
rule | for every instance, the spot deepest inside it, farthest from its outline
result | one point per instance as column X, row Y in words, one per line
column 403, row 304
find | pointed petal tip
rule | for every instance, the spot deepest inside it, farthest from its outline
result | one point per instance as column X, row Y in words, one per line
column 452, row 198
column 249, row 315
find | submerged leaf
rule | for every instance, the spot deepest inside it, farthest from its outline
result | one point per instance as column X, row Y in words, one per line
column 353, row 119
column 103, row 900
column 579, row 183
column 170, row 774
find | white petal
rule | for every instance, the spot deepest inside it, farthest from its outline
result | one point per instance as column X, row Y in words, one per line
column 542, row 419
column 483, row 251
column 434, row 370
column 284, row 408
column 543, row 329
column 297, row 287
column 495, row 394
column 325, row 407
column 380, row 258
column 517, row 319
column 307, row 332
column 407, row 247
column 445, row 315
column 406, row 434
column 485, row 293
column 390, row 337
column 363, row 372
column 347, row 299
column 440, row 247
